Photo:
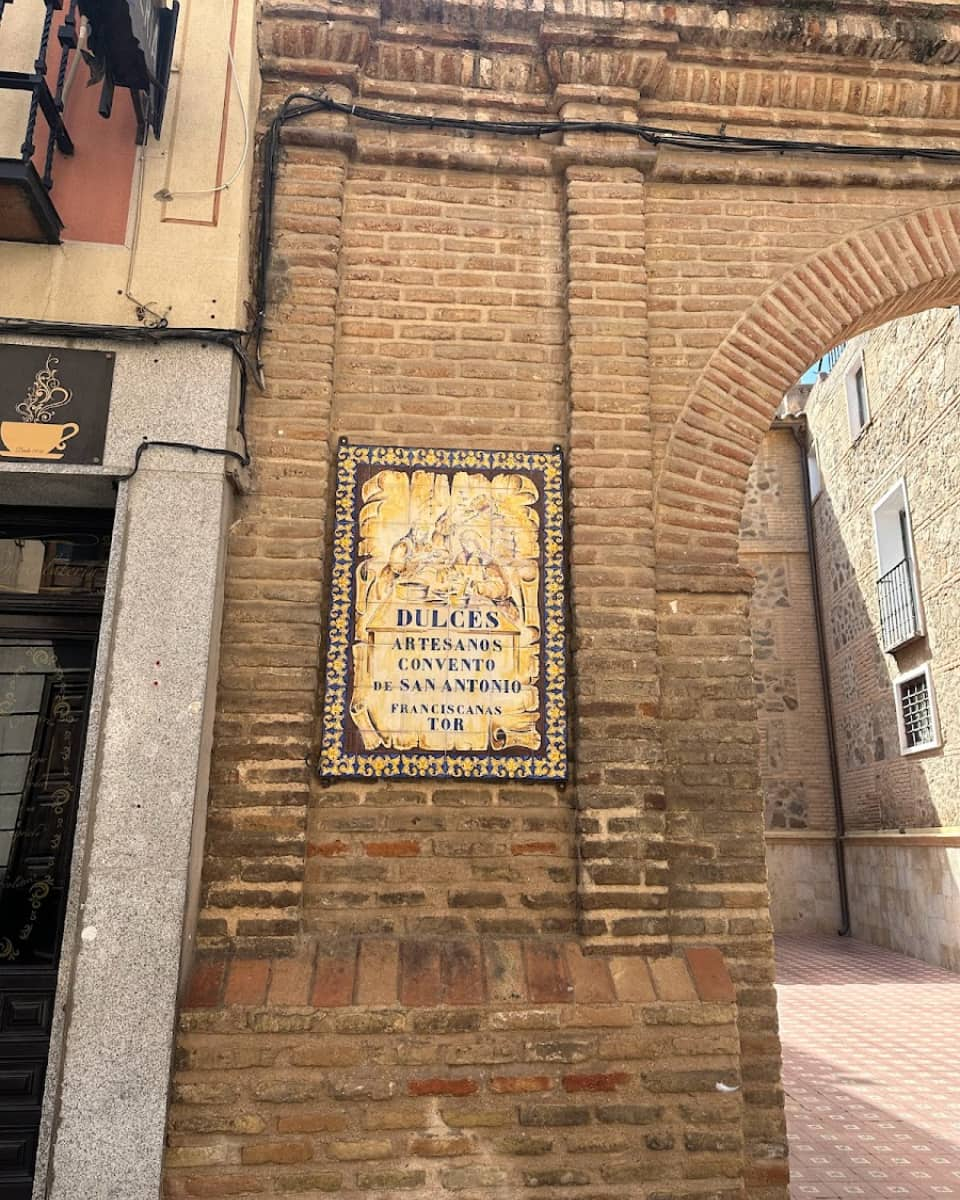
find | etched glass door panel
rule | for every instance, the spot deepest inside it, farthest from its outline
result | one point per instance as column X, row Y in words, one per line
column 44, row 685
column 44, row 692
column 52, row 575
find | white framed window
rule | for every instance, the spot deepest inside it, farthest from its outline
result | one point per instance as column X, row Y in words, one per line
column 813, row 471
column 917, row 718
column 858, row 402
column 898, row 592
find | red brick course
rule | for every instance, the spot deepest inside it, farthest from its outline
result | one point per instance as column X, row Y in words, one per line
column 457, row 973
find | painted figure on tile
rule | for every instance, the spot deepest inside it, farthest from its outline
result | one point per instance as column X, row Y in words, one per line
column 446, row 638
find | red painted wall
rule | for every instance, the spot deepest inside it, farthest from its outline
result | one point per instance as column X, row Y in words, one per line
column 91, row 188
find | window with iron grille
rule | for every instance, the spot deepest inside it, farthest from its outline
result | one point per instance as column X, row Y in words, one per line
column 916, row 712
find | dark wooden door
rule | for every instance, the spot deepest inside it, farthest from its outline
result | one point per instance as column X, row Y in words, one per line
column 51, row 579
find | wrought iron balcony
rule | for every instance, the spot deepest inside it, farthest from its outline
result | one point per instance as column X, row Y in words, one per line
column 830, row 359
column 130, row 45
column 899, row 612
column 27, row 213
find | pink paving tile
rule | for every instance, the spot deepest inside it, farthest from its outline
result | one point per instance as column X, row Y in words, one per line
column 871, row 1071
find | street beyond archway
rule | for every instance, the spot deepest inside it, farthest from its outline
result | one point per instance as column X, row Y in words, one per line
column 871, row 1070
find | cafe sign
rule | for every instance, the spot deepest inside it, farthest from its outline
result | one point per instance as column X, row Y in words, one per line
column 446, row 647
column 54, row 404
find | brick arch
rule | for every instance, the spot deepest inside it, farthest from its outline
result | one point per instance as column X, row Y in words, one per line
column 708, row 716
column 894, row 269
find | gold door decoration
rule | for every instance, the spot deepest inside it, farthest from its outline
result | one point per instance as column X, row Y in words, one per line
column 446, row 648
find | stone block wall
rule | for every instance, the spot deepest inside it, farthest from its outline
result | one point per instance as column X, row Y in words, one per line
column 803, row 881
column 907, row 897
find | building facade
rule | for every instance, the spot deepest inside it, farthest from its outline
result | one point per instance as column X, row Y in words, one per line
column 882, row 443
column 868, row 691
column 123, row 258
column 478, row 985
column 447, row 986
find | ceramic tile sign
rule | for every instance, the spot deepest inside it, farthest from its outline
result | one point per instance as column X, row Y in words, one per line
column 54, row 404
column 446, row 643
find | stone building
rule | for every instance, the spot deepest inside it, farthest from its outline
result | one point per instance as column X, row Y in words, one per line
column 881, row 439
column 479, row 986
column 124, row 278
column 795, row 746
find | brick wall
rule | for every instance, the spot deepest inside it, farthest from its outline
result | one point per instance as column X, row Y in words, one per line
column 438, row 860
column 645, row 311
column 451, row 324
column 895, row 268
column 794, row 748
column 375, row 1068
column 449, row 331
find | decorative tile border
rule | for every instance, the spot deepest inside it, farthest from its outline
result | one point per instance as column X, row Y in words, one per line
column 549, row 763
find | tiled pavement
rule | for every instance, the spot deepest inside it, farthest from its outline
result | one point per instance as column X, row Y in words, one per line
column 871, row 1044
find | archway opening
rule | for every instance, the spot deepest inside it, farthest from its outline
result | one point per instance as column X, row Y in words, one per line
column 850, row 531
column 708, row 722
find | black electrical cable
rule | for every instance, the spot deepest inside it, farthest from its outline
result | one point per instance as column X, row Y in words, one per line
column 293, row 108
column 149, row 443
column 302, row 104
column 654, row 135
column 123, row 333
column 233, row 338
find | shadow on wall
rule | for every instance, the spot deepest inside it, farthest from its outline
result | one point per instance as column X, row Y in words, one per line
column 881, row 789
column 905, row 897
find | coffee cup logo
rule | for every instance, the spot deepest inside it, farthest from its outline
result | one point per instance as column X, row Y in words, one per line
column 36, row 435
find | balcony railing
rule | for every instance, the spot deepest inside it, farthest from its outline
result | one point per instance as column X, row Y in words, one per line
column 129, row 45
column 899, row 613
column 830, row 359
column 27, row 211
